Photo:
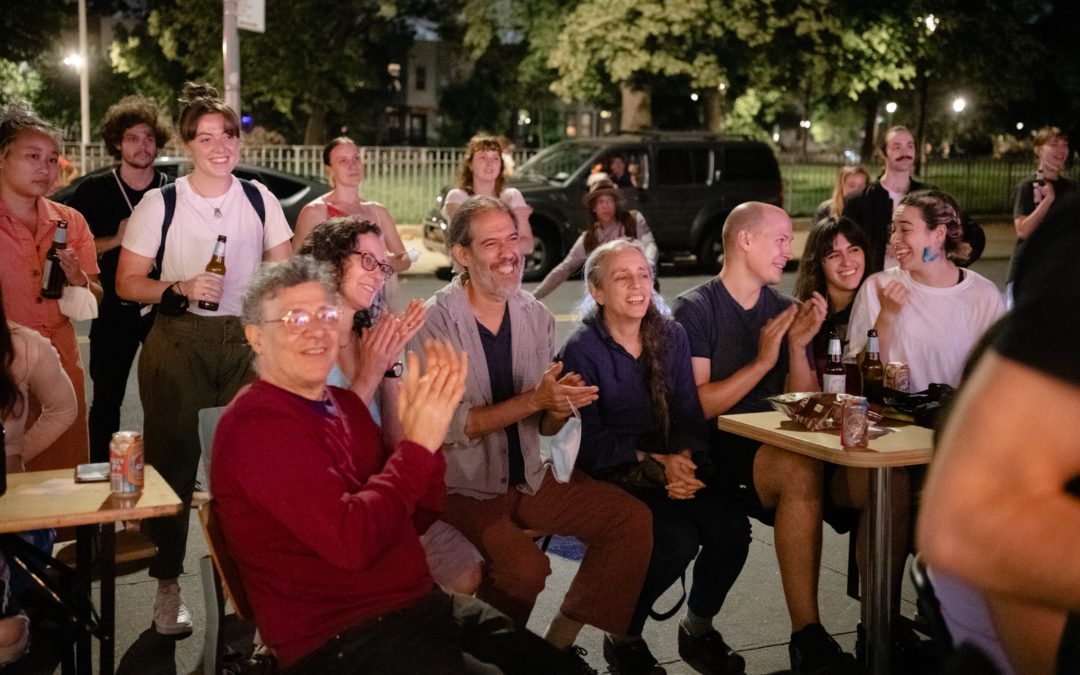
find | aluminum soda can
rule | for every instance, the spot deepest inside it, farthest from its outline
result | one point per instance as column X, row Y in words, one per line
column 898, row 376
column 126, row 462
column 855, row 425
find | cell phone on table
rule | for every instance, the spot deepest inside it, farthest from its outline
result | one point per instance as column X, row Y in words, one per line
column 96, row 472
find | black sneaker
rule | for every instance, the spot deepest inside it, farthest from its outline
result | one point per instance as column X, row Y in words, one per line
column 631, row 658
column 814, row 652
column 708, row 653
column 577, row 655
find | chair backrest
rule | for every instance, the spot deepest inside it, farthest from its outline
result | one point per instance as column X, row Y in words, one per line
column 929, row 604
column 223, row 560
column 208, row 421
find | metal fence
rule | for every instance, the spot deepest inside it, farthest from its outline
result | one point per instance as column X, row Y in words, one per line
column 407, row 179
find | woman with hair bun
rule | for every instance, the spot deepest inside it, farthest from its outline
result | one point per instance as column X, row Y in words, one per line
column 929, row 310
column 196, row 355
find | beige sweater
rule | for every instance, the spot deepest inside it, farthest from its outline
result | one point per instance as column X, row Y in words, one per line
column 36, row 369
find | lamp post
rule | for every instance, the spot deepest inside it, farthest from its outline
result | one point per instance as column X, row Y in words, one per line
column 79, row 63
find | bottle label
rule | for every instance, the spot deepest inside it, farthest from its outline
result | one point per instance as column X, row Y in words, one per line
column 872, row 345
column 60, row 236
column 834, row 384
column 47, row 272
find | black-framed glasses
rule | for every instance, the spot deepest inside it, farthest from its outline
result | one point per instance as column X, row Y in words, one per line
column 369, row 262
column 298, row 320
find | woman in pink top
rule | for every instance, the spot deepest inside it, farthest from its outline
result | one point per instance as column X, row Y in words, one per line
column 29, row 156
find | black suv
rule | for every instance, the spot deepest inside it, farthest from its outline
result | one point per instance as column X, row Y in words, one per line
column 684, row 184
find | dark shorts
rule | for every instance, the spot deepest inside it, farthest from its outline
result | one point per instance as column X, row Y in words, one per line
column 734, row 457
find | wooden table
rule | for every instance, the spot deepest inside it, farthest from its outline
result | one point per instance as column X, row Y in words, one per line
column 908, row 445
column 41, row 499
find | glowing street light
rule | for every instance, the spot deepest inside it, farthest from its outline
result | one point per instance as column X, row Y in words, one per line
column 694, row 97
column 75, row 61
column 931, row 22
column 1019, row 126
column 890, row 107
column 959, row 104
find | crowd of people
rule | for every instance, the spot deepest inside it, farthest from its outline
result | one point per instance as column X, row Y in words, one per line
column 379, row 472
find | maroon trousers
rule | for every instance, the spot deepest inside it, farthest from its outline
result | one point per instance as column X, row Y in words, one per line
column 615, row 527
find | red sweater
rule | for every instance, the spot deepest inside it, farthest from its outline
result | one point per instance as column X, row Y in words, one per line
column 322, row 522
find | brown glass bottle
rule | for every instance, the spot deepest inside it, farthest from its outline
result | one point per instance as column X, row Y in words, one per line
column 873, row 373
column 835, row 376
column 52, row 275
column 215, row 266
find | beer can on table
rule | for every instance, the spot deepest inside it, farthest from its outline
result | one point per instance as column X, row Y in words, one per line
column 898, row 376
column 126, row 462
column 855, row 425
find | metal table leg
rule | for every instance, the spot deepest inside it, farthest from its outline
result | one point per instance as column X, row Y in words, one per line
column 107, row 567
column 879, row 587
column 84, row 537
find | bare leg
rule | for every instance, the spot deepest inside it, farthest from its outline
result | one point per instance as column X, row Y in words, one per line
column 790, row 484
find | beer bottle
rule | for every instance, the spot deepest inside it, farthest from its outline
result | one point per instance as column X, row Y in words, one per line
column 215, row 266
column 1037, row 191
column 873, row 373
column 835, row 376
column 52, row 276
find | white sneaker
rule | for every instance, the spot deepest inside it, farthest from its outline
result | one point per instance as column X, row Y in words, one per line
column 171, row 613
column 20, row 625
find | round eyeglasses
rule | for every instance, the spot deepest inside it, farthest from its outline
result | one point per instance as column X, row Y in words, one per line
column 298, row 320
column 369, row 262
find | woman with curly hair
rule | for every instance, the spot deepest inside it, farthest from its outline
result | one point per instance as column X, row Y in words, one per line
column 483, row 173
column 609, row 219
column 646, row 433
column 929, row 310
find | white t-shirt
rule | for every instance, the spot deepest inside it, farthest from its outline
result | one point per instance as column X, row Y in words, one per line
column 936, row 328
column 194, row 231
column 509, row 196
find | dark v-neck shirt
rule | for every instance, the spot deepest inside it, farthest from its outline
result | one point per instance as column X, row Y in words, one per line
column 499, row 355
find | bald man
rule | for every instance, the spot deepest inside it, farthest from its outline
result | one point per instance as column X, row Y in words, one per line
column 749, row 342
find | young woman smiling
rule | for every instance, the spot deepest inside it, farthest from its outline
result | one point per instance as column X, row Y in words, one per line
column 929, row 310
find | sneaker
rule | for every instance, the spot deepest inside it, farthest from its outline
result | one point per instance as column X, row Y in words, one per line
column 171, row 613
column 708, row 653
column 814, row 652
column 18, row 626
column 577, row 656
column 631, row 658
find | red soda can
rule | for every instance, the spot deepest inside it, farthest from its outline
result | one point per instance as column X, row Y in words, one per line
column 126, row 462
column 898, row 376
column 855, row 426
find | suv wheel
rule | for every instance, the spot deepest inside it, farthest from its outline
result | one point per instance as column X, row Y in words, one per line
column 545, row 252
column 711, row 250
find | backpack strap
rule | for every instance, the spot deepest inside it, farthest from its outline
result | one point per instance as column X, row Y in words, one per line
column 168, row 194
column 255, row 197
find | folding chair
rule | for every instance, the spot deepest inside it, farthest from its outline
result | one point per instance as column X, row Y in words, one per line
column 221, row 582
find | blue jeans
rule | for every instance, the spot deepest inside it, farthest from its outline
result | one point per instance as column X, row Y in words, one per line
column 711, row 521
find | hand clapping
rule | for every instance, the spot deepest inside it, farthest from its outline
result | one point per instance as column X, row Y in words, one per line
column 427, row 402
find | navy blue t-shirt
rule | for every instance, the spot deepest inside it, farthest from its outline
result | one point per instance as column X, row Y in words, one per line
column 499, row 355
column 720, row 330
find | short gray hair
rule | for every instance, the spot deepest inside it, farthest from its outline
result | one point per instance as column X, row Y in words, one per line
column 273, row 277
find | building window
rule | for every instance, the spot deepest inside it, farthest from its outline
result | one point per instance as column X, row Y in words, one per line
column 421, row 78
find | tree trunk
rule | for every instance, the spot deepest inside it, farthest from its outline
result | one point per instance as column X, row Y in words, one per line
column 870, row 101
column 315, row 133
column 714, row 111
column 636, row 107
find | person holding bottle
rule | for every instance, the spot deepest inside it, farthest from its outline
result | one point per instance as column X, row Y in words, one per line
column 193, row 357
column 29, row 152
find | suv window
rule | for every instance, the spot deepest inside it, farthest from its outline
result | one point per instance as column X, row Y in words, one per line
column 748, row 163
column 682, row 166
column 559, row 161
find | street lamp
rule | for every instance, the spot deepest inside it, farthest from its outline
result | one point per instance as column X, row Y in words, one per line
column 1019, row 126
column 959, row 104
column 890, row 107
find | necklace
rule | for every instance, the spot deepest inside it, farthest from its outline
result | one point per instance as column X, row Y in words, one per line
column 217, row 208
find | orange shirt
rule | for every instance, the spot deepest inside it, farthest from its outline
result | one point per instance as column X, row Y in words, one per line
column 22, row 261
